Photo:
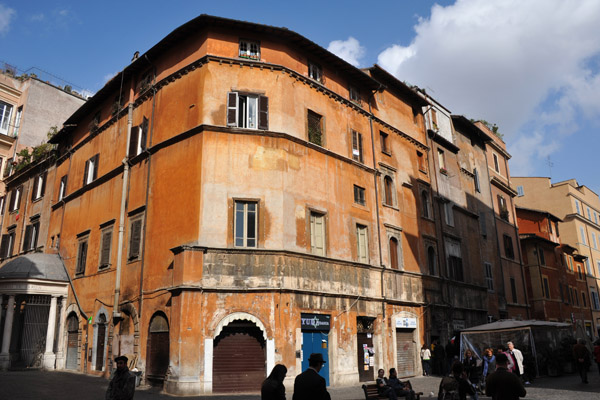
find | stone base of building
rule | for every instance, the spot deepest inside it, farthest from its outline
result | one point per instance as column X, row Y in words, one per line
column 183, row 386
column 48, row 361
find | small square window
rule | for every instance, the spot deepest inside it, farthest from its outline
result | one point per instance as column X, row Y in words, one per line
column 315, row 72
column 249, row 49
column 359, row 195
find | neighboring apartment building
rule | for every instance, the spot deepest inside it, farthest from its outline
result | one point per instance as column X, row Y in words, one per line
column 556, row 285
column 215, row 227
column 503, row 193
column 579, row 209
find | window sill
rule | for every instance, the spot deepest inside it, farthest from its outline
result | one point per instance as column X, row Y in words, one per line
column 423, row 170
column 427, row 218
column 360, row 206
column 387, row 153
column 391, row 206
column 38, row 199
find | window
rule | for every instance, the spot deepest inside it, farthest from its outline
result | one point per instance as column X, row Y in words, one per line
column 502, row 208
column 579, row 271
column 91, row 170
column 315, row 128
column 583, row 299
column 105, row 247
column 496, row 163
column 482, row 224
column 81, row 256
column 15, row 198
column 589, row 214
column 431, row 260
column 449, row 213
column 2, row 199
column 595, row 217
column 541, row 256
column 317, row 233
column 31, row 235
column 577, row 207
column 315, row 72
column 135, row 237
column 359, row 195
column 250, row 50
column 246, row 226
column 354, row 95
column 18, row 121
column 383, row 138
column 145, row 81
column 570, row 263
column 425, row 204
column 582, row 232
column 247, row 111
column 62, row 190
column 434, row 124
column 489, row 277
column 388, row 185
column 8, row 242
column 588, row 269
column 508, row 247
column 5, row 114
column 421, row 162
column 362, row 240
column 576, row 297
column 560, row 291
column 442, row 160
column 137, row 141
column 476, row 180
column 520, row 191
column 394, row 252
column 513, row 290
column 39, row 185
column 357, row 146
column 455, row 268
column 594, row 301
column 594, row 240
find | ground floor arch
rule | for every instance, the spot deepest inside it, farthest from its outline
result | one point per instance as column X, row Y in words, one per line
column 157, row 350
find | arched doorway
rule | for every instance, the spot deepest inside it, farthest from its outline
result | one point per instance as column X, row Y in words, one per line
column 72, row 341
column 239, row 358
column 157, row 350
column 100, row 342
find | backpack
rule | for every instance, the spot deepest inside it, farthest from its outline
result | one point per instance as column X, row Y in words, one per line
column 449, row 390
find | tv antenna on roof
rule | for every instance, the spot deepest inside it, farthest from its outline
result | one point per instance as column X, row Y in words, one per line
column 550, row 165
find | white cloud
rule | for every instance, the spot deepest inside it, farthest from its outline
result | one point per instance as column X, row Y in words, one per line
column 349, row 50
column 6, row 16
column 514, row 63
column 38, row 17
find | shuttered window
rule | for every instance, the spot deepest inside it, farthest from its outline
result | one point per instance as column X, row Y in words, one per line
column 39, row 186
column 315, row 128
column 247, row 111
column 81, row 256
column 6, row 247
column 137, row 142
column 135, row 238
column 105, row 247
column 31, row 235
column 91, row 170
column 362, row 239
column 15, row 199
column 357, row 147
column 317, row 233
column 62, row 190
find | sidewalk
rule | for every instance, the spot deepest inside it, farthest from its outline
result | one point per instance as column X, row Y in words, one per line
column 30, row 385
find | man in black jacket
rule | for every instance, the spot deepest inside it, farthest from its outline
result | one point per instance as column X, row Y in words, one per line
column 502, row 384
column 309, row 385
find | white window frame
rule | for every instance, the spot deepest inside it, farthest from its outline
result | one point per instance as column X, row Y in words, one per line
column 362, row 243
column 39, row 186
column 249, row 49
column 5, row 115
column 243, row 209
column 520, row 191
column 62, row 189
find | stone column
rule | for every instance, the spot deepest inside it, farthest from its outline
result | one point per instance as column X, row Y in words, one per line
column 49, row 357
column 60, row 354
column 4, row 355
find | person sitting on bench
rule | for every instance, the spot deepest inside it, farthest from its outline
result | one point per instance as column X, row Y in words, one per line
column 382, row 387
column 402, row 389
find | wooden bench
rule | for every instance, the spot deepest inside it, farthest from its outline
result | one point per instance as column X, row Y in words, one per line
column 371, row 392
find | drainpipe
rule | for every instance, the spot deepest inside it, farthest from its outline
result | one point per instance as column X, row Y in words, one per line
column 116, row 312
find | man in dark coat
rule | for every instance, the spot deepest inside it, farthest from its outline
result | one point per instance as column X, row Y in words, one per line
column 122, row 385
column 503, row 384
column 309, row 385
column 582, row 359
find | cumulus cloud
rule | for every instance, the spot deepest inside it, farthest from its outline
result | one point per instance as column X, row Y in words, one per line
column 532, row 67
column 6, row 16
column 349, row 50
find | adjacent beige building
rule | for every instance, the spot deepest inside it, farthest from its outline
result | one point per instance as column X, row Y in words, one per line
column 579, row 209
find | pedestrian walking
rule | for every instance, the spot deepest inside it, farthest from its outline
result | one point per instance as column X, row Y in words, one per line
column 272, row 387
column 503, row 384
column 582, row 359
column 426, row 360
column 309, row 385
column 517, row 359
column 122, row 385
column 383, row 389
column 471, row 370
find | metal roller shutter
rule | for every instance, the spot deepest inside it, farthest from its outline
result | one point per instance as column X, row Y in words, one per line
column 405, row 348
column 238, row 364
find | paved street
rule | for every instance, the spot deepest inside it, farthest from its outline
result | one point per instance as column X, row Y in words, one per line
column 29, row 385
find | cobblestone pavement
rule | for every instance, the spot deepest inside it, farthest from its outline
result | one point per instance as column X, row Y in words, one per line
column 35, row 384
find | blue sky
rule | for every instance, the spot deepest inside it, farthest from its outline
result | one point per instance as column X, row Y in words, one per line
column 532, row 67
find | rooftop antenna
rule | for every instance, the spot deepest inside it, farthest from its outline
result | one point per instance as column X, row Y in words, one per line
column 550, row 165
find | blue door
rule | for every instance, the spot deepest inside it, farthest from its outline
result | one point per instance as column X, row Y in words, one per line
column 316, row 342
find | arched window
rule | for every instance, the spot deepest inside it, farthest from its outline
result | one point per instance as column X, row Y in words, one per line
column 431, row 260
column 389, row 190
column 425, row 204
column 394, row 252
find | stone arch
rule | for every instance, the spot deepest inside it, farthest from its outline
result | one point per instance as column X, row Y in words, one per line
column 239, row 316
column 101, row 324
column 130, row 312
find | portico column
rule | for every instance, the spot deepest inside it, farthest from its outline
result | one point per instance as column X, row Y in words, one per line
column 49, row 357
column 4, row 355
column 60, row 354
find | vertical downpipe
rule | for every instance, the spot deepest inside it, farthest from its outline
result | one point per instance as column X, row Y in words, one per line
column 116, row 313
